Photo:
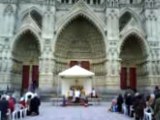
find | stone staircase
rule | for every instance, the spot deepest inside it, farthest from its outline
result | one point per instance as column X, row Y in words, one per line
column 104, row 97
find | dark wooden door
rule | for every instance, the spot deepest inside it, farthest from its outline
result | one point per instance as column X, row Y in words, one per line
column 85, row 65
column 25, row 77
column 35, row 75
column 72, row 63
column 133, row 77
column 123, row 78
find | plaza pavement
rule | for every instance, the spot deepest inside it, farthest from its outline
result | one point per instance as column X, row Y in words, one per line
column 50, row 112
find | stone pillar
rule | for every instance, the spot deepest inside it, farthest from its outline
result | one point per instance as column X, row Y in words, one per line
column 11, row 23
column 6, row 63
column 154, row 28
column 48, row 23
column 148, row 27
column 113, row 63
column 46, row 62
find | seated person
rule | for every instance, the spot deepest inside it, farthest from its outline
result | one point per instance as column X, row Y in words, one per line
column 70, row 94
column 84, row 99
column 93, row 93
column 113, row 107
column 77, row 95
column 83, row 96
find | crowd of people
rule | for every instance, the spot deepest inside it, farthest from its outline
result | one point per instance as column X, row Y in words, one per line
column 136, row 104
column 9, row 103
column 132, row 103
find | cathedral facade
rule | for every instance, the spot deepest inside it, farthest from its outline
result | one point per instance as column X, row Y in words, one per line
column 118, row 40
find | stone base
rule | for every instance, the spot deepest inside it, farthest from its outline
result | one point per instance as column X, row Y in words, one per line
column 46, row 82
column 16, row 81
column 5, row 81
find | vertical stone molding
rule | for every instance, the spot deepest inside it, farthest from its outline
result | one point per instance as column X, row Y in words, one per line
column 46, row 64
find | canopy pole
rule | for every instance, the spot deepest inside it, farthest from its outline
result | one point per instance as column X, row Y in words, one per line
column 57, row 90
column 94, row 85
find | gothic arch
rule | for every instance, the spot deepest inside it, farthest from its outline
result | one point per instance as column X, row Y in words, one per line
column 36, row 15
column 132, row 13
column 80, row 9
column 141, row 40
column 73, row 20
column 69, row 18
column 25, row 52
column 27, row 29
column 79, row 39
column 31, row 9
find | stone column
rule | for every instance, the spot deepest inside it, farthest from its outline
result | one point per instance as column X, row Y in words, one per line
column 11, row 23
column 46, row 62
column 6, row 63
column 150, row 28
column 113, row 63
column 48, row 23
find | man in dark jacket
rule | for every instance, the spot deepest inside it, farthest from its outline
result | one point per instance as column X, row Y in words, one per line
column 3, row 108
column 34, row 105
column 128, row 102
column 119, row 103
column 157, row 109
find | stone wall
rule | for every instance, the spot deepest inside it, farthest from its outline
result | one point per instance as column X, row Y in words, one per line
column 16, row 18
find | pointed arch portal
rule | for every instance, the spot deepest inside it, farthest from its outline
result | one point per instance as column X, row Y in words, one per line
column 25, row 52
column 133, row 61
column 80, row 42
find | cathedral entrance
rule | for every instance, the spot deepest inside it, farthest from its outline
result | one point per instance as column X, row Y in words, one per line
column 25, row 67
column 83, row 64
column 81, row 42
column 133, row 61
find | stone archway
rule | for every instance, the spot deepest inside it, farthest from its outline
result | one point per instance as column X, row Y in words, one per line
column 133, row 62
column 25, row 61
column 79, row 41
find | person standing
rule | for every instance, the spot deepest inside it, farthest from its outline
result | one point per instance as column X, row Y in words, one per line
column 34, row 105
column 4, row 108
column 156, row 92
column 157, row 109
column 119, row 103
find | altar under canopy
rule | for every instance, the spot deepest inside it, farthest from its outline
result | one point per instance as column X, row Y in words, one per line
column 76, row 77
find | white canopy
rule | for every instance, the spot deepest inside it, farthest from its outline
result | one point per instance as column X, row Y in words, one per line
column 76, row 71
column 75, row 75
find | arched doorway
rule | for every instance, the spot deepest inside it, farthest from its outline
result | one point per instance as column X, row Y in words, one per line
column 80, row 42
column 26, row 52
column 133, row 62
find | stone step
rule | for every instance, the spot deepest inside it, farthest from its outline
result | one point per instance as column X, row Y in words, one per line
column 108, row 96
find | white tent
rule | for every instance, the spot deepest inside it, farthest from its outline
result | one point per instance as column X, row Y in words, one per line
column 76, row 75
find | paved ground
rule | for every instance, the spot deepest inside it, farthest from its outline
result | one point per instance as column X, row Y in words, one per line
column 50, row 112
